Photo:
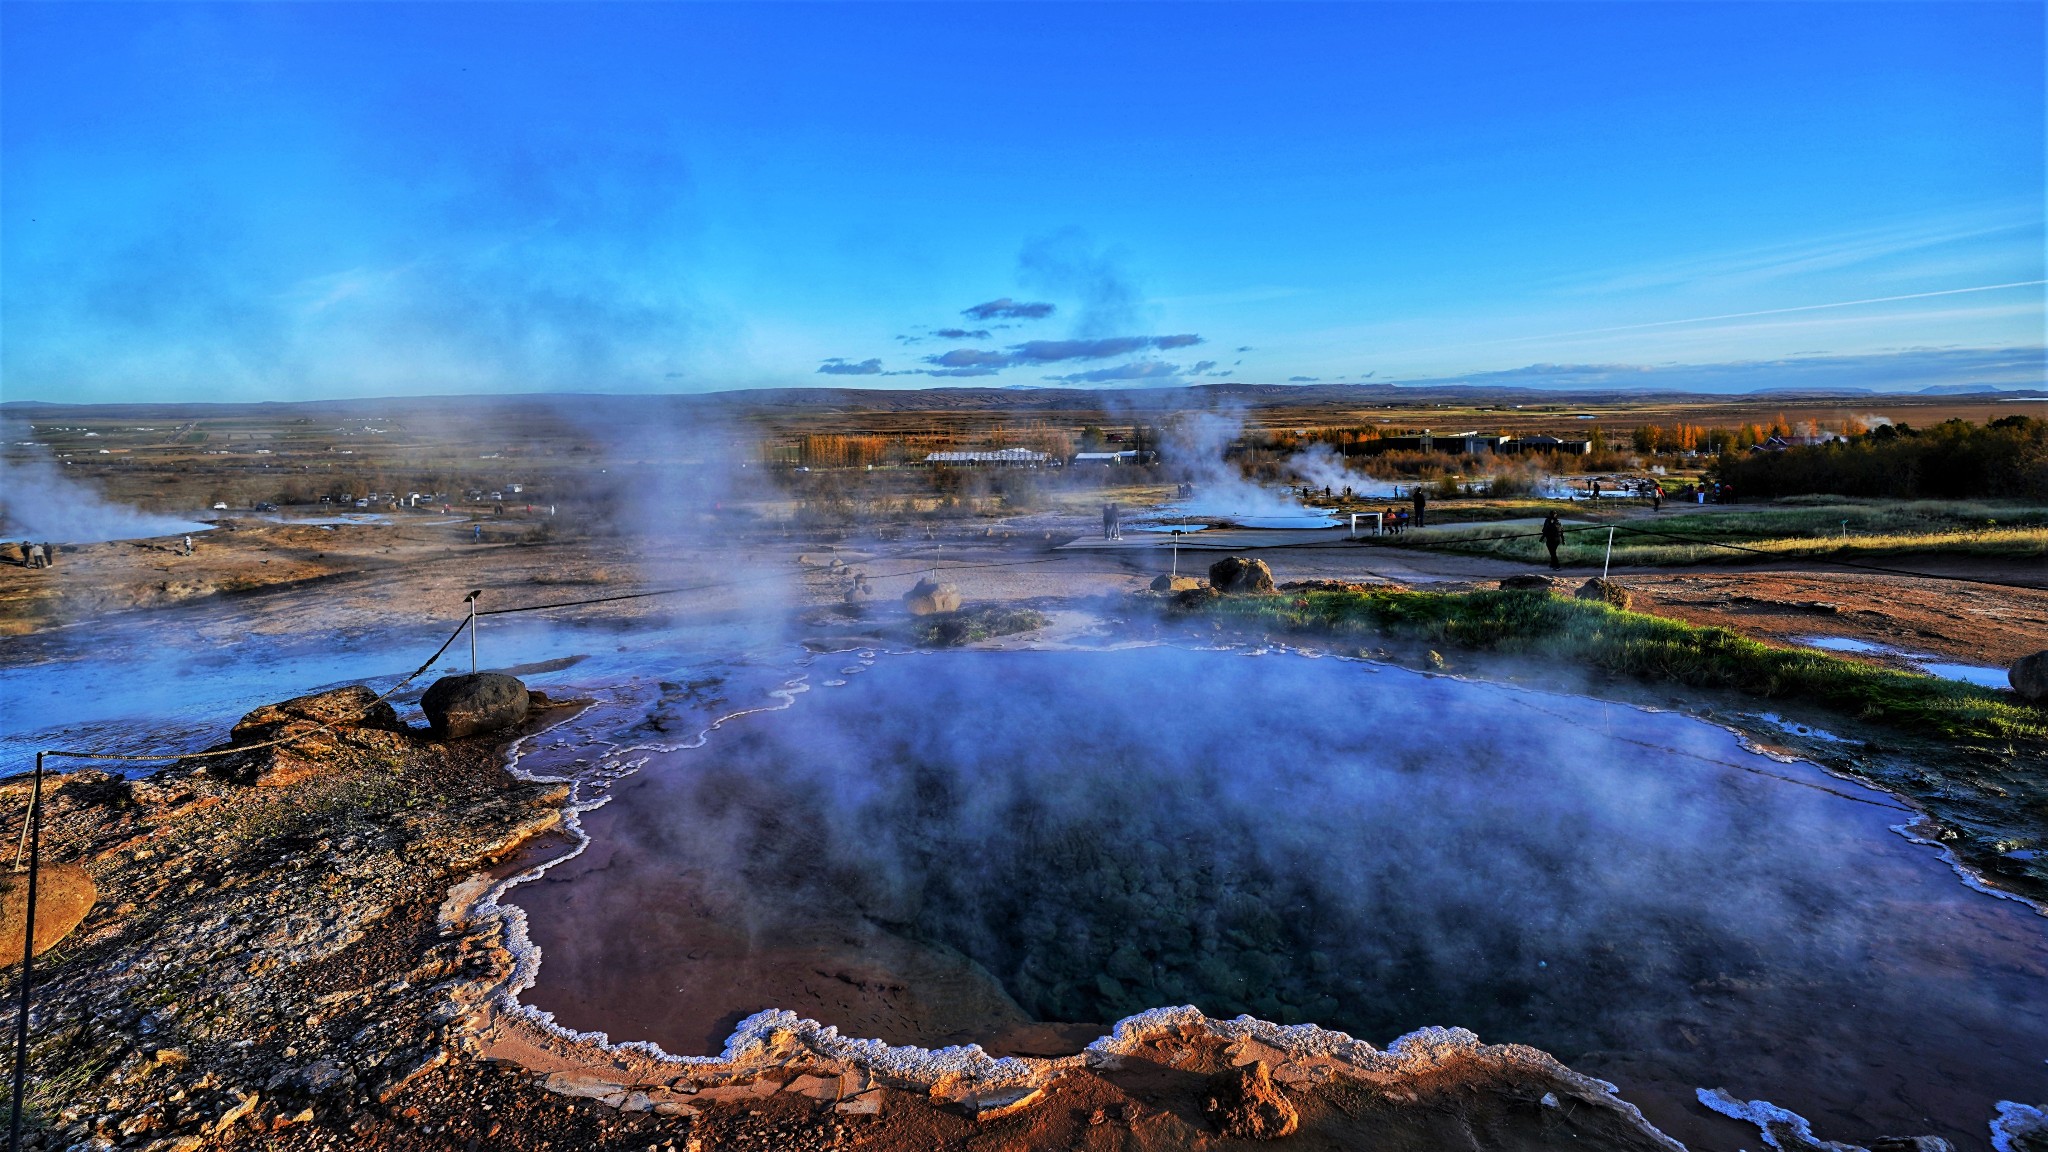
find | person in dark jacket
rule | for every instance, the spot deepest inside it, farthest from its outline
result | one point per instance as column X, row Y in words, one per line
column 1553, row 535
column 1421, row 501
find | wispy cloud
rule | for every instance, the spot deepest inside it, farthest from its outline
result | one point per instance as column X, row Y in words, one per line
column 838, row 366
column 1993, row 231
column 1008, row 309
column 1035, row 352
column 1906, row 370
column 1153, row 370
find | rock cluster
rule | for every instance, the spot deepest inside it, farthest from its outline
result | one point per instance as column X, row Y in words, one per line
column 1528, row 582
column 260, row 959
column 317, row 731
column 1238, row 574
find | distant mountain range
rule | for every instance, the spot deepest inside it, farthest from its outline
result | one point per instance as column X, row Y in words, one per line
column 1023, row 399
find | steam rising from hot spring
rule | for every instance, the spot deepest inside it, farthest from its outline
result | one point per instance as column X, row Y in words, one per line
column 38, row 502
column 1306, row 840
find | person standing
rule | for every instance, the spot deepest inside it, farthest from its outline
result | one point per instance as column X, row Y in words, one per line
column 188, row 545
column 49, row 555
column 1656, row 497
column 1553, row 535
column 1109, row 521
column 1421, row 502
column 24, row 553
column 35, row 555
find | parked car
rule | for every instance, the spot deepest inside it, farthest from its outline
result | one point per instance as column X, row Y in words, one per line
column 265, row 506
column 220, row 506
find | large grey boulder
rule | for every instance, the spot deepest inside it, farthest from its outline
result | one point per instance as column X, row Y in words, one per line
column 1240, row 574
column 2029, row 677
column 458, row 706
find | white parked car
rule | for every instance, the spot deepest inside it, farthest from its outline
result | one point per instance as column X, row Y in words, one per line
column 220, row 506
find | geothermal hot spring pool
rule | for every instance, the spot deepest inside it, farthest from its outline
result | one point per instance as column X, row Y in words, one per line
column 1018, row 848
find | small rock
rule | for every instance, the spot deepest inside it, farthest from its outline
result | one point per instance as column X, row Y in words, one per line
column 1165, row 583
column 1244, row 1104
column 458, row 706
column 2029, row 677
column 64, row 894
column 1240, row 574
column 1528, row 582
column 930, row 597
column 1606, row 591
column 865, row 1104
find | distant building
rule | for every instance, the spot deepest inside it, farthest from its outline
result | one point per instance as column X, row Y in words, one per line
column 1105, row 458
column 1020, row 457
column 1548, row 444
column 1455, row 443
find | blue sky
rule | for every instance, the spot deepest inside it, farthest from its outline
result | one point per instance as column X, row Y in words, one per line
column 297, row 200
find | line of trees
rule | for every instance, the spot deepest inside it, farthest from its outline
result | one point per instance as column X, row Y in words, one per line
column 1953, row 460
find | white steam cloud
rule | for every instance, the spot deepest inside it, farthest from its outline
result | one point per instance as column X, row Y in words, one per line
column 38, row 502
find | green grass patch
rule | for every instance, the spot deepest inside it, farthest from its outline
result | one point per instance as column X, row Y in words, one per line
column 1585, row 632
column 953, row 629
column 1796, row 527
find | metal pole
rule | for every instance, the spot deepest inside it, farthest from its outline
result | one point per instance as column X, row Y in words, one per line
column 1176, row 552
column 471, row 601
column 1610, row 553
column 28, row 955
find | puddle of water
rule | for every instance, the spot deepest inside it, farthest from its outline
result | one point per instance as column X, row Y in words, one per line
column 1846, row 644
column 1979, row 675
column 342, row 518
column 1313, row 518
column 969, row 846
column 1983, row 676
column 1806, row 730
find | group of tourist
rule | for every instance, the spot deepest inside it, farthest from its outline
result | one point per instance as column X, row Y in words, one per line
column 38, row 555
